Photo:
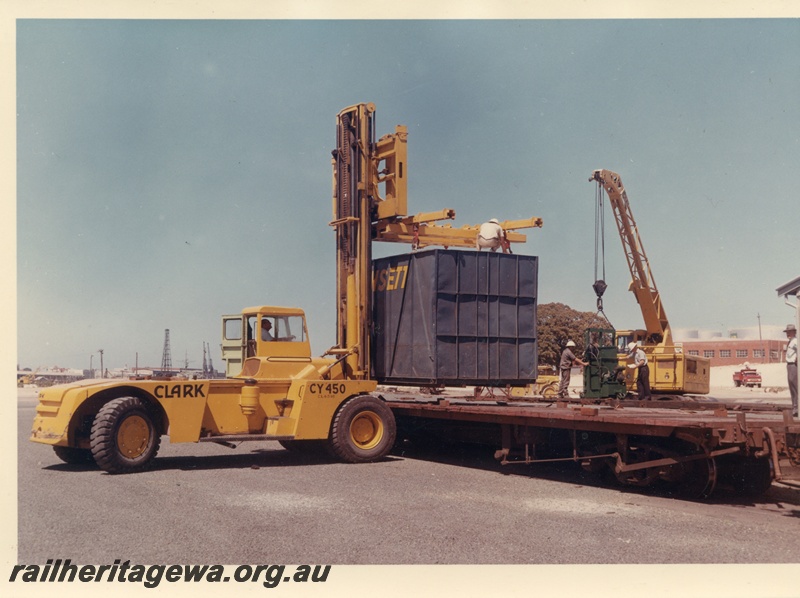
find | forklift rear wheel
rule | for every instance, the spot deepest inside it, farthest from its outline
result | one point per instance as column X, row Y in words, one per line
column 363, row 430
column 124, row 438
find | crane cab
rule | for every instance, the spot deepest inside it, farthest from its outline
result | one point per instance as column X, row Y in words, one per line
column 671, row 370
column 624, row 337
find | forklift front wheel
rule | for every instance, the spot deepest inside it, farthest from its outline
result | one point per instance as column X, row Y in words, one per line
column 363, row 430
column 124, row 438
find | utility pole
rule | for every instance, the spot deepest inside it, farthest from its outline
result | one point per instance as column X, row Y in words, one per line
column 761, row 340
column 102, row 371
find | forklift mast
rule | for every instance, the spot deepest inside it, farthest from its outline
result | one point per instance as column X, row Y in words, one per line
column 370, row 203
column 357, row 205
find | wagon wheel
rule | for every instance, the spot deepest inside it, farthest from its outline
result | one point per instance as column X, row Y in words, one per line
column 697, row 479
column 693, row 479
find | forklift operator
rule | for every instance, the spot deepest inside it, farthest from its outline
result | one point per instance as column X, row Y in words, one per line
column 266, row 334
column 266, row 326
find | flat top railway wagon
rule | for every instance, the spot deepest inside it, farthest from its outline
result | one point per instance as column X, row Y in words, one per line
column 691, row 444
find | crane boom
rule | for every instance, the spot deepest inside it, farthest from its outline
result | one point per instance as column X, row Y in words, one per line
column 671, row 370
column 642, row 285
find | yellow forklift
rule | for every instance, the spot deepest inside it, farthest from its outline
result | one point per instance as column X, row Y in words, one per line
column 274, row 389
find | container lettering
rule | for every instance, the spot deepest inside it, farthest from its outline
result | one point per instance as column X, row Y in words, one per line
column 390, row 279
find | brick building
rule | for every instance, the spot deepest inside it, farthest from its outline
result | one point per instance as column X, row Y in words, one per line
column 755, row 345
column 735, row 351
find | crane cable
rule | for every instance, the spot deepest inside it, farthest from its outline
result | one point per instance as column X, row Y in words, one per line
column 599, row 285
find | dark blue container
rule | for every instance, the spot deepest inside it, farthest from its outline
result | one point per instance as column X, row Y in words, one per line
column 451, row 318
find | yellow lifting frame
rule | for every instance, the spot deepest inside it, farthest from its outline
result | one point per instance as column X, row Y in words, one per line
column 418, row 231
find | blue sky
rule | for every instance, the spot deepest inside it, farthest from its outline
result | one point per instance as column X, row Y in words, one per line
column 169, row 172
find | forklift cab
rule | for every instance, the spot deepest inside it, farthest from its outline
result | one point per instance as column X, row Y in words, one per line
column 265, row 342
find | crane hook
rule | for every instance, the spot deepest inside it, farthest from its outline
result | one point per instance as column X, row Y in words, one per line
column 599, row 287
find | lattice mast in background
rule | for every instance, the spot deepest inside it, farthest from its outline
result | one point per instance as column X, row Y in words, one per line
column 166, row 357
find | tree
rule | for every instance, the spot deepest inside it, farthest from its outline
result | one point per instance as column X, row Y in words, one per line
column 557, row 323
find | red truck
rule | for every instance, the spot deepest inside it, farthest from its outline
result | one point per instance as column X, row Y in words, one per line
column 747, row 377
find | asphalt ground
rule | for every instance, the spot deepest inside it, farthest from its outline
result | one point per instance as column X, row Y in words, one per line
column 204, row 503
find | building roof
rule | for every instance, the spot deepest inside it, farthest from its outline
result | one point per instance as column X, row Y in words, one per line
column 743, row 333
column 790, row 288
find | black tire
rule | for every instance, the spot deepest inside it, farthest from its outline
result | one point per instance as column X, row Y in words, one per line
column 124, row 438
column 362, row 430
column 74, row 456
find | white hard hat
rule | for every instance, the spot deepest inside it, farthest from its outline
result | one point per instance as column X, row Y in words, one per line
column 494, row 220
column 631, row 347
column 570, row 344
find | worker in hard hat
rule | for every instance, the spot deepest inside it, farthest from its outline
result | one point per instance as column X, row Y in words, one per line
column 491, row 235
column 568, row 361
column 643, row 371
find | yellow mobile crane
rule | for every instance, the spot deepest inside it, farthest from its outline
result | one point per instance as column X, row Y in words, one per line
column 275, row 389
column 671, row 370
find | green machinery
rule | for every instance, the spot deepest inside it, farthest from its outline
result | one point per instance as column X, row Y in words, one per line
column 604, row 376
